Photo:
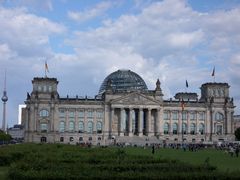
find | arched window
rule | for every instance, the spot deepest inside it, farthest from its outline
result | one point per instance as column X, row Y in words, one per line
column 184, row 128
column 219, row 116
column 192, row 128
column 175, row 128
column 201, row 128
column 166, row 128
column 90, row 127
column 61, row 126
column 81, row 127
column 43, row 127
column 44, row 113
column 99, row 127
column 71, row 126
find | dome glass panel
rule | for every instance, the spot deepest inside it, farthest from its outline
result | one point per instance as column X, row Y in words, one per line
column 123, row 80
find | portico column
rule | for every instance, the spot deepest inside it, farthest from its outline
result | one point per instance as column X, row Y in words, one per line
column 140, row 122
column 157, row 129
column 149, row 122
column 111, row 123
column 130, row 116
column 122, row 122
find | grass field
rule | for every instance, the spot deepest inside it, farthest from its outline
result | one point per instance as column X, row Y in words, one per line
column 53, row 161
column 224, row 162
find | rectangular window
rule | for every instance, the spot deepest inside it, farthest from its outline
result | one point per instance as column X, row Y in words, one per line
column 71, row 114
column 184, row 115
column 43, row 127
column 81, row 113
column 90, row 113
column 193, row 116
column 201, row 116
column 175, row 115
column 62, row 113
column 166, row 115
column 99, row 114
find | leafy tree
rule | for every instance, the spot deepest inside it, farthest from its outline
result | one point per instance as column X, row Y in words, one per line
column 237, row 134
column 4, row 136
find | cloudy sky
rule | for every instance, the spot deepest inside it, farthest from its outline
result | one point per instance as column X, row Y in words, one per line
column 84, row 41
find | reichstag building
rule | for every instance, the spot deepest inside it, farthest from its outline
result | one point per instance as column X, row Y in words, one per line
column 126, row 111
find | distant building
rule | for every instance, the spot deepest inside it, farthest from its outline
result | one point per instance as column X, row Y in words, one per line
column 16, row 132
column 126, row 111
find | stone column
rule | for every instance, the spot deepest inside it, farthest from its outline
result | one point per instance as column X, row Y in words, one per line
column 111, row 123
column 197, row 124
column 121, row 122
column 157, row 128
column 140, row 122
column 149, row 124
column 180, row 122
column 36, row 123
column 188, row 122
column 130, row 117
column 161, row 123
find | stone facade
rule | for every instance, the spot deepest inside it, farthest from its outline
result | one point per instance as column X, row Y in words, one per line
column 130, row 116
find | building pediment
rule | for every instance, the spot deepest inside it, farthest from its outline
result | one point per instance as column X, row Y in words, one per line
column 135, row 98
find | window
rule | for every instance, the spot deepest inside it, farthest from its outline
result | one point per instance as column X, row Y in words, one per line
column 90, row 127
column 166, row 128
column 71, row 114
column 219, row 129
column 99, row 138
column 39, row 88
column 166, row 115
column 81, row 113
column 99, row 127
column 50, row 88
column 90, row 138
column 62, row 113
column 61, row 126
column 184, row 128
column 99, row 114
column 44, row 88
column 71, row 126
column 175, row 115
column 219, row 116
column 192, row 128
column 81, row 127
column 80, row 139
column 184, row 115
column 90, row 113
column 201, row 116
column 61, row 139
column 71, row 139
column 175, row 128
column 43, row 127
column 44, row 113
column 193, row 116
column 201, row 128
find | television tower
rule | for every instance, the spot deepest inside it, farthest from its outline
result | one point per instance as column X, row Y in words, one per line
column 4, row 99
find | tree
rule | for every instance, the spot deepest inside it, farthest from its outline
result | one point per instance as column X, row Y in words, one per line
column 4, row 136
column 237, row 134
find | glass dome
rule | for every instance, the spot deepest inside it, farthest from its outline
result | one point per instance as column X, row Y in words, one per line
column 123, row 80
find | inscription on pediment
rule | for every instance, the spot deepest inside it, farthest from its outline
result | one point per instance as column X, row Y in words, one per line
column 135, row 99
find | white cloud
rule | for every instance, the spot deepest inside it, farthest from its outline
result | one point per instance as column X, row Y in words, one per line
column 167, row 40
column 89, row 14
column 25, row 33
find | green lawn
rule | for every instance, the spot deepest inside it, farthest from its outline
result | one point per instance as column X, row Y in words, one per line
column 57, row 161
column 224, row 162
